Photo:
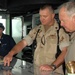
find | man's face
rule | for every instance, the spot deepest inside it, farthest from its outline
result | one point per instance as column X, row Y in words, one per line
column 66, row 20
column 46, row 17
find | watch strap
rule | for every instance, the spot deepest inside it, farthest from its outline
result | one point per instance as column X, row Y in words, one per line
column 53, row 66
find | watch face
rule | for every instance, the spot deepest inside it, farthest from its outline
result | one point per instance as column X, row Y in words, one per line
column 53, row 66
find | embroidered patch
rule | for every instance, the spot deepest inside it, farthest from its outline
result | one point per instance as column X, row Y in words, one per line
column 62, row 38
column 52, row 36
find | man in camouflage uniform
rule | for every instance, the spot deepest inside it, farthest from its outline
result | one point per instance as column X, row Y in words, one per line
column 44, row 55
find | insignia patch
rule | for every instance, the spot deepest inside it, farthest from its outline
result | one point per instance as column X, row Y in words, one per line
column 62, row 38
column 52, row 36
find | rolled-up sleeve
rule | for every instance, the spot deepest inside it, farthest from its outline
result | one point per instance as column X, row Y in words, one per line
column 63, row 39
column 31, row 36
column 28, row 39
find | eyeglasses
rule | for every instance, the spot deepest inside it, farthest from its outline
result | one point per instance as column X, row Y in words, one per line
column 43, row 40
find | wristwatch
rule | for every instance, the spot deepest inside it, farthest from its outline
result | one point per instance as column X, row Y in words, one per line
column 53, row 66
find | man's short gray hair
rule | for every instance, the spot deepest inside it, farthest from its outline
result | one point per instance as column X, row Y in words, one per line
column 70, row 7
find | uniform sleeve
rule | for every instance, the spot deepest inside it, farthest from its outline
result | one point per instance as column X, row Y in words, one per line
column 63, row 39
column 31, row 36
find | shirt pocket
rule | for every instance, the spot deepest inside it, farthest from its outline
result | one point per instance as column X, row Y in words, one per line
column 53, row 39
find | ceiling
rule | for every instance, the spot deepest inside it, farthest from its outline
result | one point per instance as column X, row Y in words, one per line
column 26, row 6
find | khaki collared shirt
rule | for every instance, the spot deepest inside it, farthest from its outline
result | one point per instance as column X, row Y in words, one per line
column 47, row 43
column 70, row 56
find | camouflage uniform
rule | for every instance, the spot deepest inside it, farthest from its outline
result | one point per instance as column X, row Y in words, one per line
column 46, row 45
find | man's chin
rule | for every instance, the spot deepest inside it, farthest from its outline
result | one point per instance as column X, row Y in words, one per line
column 68, row 31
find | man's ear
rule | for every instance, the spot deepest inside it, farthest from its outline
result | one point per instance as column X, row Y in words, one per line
column 73, row 18
column 53, row 15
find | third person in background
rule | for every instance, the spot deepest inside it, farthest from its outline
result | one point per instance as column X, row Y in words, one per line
column 6, row 43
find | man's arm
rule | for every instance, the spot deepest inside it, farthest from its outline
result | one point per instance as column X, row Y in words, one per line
column 60, row 58
column 17, row 48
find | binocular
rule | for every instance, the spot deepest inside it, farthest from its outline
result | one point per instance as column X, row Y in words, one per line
column 70, row 66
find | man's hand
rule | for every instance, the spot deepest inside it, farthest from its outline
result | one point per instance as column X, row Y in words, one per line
column 46, row 68
column 7, row 59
